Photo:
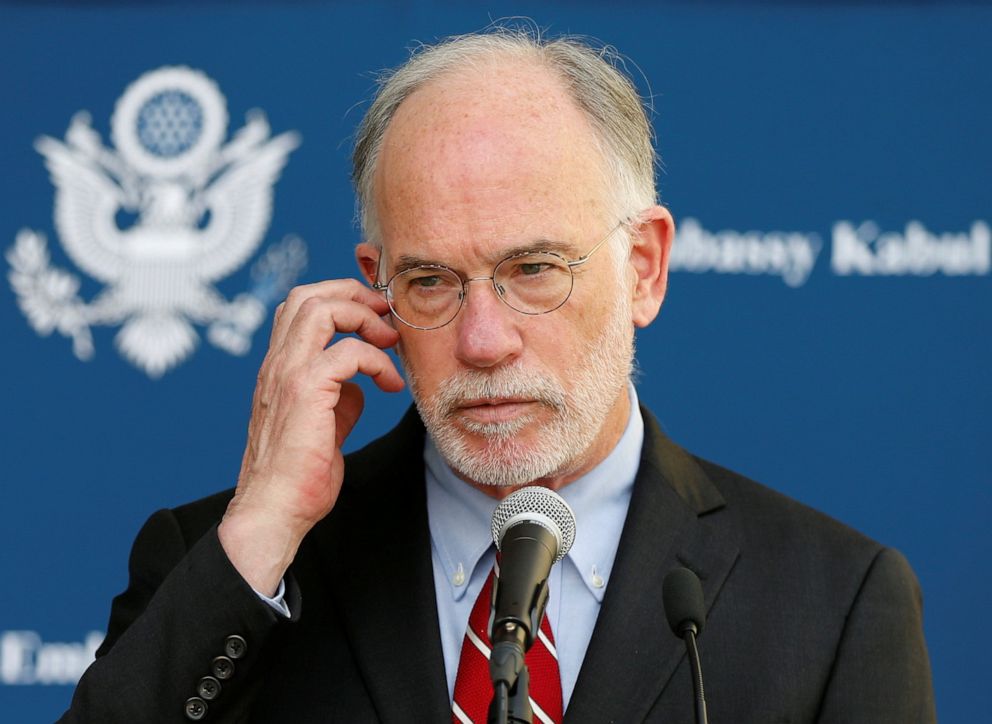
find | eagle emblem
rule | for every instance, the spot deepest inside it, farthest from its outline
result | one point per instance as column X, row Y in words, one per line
column 158, row 219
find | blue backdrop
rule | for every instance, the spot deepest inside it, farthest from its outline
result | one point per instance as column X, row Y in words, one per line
column 826, row 330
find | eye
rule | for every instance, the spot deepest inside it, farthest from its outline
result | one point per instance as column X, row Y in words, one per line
column 530, row 268
column 429, row 281
column 426, row 282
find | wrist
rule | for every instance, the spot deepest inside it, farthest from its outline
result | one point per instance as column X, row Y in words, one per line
column 260, row 547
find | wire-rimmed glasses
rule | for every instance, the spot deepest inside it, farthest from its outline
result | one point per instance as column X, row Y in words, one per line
column 429, row 296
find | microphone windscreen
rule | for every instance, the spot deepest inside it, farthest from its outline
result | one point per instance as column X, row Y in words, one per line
column 682, row 594
column 535, row 504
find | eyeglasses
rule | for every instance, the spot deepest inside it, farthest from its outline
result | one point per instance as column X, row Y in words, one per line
column 429, row 296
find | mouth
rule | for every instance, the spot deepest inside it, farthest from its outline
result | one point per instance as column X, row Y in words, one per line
column 495, row 410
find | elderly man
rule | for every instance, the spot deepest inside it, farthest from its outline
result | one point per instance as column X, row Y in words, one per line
column 512, row 244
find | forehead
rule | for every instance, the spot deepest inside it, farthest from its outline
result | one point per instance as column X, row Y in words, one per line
column 498, row 153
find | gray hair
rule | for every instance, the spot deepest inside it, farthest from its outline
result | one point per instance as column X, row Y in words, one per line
column 592, row 76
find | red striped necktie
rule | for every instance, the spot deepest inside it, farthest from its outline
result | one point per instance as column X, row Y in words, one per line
column 473, row 687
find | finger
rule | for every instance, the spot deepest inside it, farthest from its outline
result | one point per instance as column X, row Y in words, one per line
column 319, row 319
column 346, row 358
column 347, row 289
column 275, row 321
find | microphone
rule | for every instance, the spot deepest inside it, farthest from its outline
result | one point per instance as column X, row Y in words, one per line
column 533, row 528
column 682, row 595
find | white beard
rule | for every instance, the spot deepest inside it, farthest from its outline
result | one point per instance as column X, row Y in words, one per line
column 558, row 447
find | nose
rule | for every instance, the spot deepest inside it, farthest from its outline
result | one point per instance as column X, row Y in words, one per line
column 488, row 332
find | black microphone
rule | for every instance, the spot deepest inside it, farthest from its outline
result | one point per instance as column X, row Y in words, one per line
column 533, row 529
column 686, row 613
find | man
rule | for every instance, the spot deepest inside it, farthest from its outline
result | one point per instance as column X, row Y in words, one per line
column 508, row 207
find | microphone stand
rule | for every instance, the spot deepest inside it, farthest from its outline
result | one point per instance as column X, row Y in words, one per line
column 689, row 635
column 513, row 706
column 511, row 679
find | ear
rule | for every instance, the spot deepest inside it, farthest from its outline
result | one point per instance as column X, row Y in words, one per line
column 651, row 245
column 367, row 257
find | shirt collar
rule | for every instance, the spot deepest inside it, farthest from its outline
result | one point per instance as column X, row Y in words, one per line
column 460, row 515
column 600, row 499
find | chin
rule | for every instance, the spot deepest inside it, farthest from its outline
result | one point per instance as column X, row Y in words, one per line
column 504, row 455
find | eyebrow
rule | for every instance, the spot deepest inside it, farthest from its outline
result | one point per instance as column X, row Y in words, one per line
column 410, row 261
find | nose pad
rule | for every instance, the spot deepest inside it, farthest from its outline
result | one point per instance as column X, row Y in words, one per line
column 499, row 288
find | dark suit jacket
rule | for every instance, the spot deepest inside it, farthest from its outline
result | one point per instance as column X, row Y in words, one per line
column 808, row 621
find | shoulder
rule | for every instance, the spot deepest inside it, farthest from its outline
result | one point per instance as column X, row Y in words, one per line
column 799, row 601
column 779, row 521
column 777, row 537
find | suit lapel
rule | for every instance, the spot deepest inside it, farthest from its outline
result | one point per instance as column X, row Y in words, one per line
column 633, row 653
column 383, row 580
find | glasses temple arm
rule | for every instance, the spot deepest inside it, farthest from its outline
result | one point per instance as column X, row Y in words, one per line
column 585, row 257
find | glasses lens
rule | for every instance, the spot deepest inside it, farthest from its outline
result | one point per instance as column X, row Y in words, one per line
column 534, row 283
column 425, row 297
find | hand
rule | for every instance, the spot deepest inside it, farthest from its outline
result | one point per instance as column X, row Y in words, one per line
column 303, row 409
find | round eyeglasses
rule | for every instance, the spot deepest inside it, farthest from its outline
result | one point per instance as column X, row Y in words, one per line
column 429, row 296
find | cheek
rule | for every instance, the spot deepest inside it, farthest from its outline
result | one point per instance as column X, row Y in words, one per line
column 556, row 344
column 583, row 321
column 425, row 355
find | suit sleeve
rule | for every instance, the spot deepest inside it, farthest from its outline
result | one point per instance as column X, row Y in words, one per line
column 179, row 613
column 882, row 670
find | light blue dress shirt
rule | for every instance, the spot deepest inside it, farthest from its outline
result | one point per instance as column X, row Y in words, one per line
column 463, row 551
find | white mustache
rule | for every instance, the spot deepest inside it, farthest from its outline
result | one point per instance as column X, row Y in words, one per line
column 505, row 382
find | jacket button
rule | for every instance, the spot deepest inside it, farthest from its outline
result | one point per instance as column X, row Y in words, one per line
column 196, row 708
column 208, row 688
column 222, row 667
column 235, row 647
